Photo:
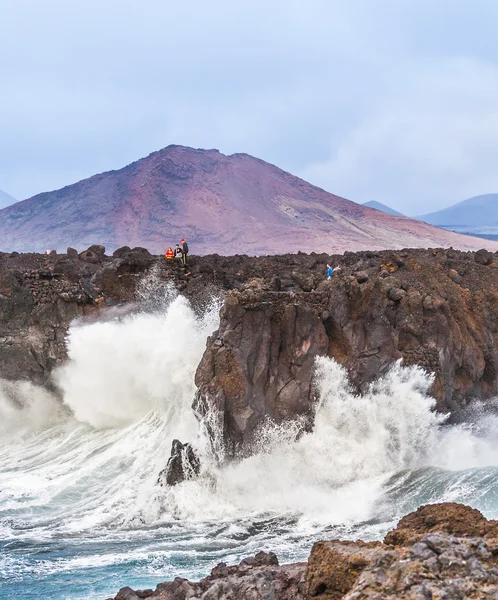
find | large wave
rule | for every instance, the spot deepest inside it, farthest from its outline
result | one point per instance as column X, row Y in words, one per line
column 82, row 465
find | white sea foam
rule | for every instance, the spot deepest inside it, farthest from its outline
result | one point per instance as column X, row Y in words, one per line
column 90, row 466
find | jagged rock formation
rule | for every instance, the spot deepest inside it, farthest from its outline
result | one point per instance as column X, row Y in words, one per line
column 435, row 308
column 441, row 559
column 182, row 464
column 224, row 204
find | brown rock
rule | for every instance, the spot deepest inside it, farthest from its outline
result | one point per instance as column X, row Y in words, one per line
column 396, row 294
column 455, row 276
column 90, row 257
column 447, row 517
column 483, row 257
column 334, row 566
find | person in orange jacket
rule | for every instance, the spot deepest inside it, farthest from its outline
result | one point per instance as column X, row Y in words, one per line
column 169, row 254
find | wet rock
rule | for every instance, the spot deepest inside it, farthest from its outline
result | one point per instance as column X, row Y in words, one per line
column 183, row 464
column 429, row 563
column 264, row 367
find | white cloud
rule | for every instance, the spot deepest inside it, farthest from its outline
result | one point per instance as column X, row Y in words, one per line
column 431, row 143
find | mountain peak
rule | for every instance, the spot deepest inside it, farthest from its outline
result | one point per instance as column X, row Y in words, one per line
column 221, row 203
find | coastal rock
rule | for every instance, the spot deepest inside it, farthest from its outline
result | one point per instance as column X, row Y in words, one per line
column 255, row 578
column 448, row 517
column 260, row 363
column 431, row 562
column 333, row 567
column 183, row 464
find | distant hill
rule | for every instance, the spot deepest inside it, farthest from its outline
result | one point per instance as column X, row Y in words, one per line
column 224, row 204
column 476, row 212
column 6, row 199
column 383, row 208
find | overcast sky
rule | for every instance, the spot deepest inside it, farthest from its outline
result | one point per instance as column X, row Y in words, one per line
column 388, row 100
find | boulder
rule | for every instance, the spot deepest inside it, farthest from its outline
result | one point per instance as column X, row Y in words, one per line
column 396, row 294
column 183, row 464
column 483, row 257
column 120, row 252
column 72, row 252
column 448, row 517
column 97, row 249
column 362, row 276
column 90, row 257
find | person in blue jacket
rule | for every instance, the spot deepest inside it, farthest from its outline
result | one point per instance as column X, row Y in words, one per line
column 330, row 271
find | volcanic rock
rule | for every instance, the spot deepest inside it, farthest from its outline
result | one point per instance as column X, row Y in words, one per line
column 430, row 562
column 260, row 362
column 448, row 517
column 483, row 257
column 183, row 464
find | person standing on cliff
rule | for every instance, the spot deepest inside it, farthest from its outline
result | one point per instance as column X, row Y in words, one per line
column 330, row 271
column 185, row 250
column 178, row 254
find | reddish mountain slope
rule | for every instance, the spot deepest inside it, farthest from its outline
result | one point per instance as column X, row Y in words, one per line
column 225, row 204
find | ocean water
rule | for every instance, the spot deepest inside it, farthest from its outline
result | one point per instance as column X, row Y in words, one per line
column 81, row 513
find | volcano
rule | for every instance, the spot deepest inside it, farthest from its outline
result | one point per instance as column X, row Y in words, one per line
column 220, row 204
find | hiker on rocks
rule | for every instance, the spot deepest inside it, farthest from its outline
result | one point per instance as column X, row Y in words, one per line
column 185, row 250
column 178, row 254
column 169, row 254
column 330, row 271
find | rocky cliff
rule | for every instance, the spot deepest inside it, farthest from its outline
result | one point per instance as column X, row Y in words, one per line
column 434, row 308
column 440, row 551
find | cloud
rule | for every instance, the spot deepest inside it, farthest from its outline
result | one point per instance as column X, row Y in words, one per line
column 386, row 100
column 432, row 143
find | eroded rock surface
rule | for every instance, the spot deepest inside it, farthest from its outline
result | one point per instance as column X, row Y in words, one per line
column 182, row 464
column 431, row 564
column 256, row 578
column 434, row 308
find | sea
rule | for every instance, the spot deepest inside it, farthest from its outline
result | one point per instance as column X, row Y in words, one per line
column 81, row 510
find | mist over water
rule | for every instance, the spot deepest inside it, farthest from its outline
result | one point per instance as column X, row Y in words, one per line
column 81, row 513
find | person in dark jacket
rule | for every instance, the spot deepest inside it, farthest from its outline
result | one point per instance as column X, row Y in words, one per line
column 185, row 250
column 178, row 254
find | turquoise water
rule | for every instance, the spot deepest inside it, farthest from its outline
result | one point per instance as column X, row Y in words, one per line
column 81, row 510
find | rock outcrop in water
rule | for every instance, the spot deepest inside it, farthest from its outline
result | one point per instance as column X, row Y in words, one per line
column 183, row 464
column 434, row 308
column 440, row 559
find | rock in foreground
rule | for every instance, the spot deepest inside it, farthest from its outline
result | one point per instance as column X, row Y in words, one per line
column 433, row 564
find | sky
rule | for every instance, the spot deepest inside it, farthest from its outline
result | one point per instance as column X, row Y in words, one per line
column 387, row 100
